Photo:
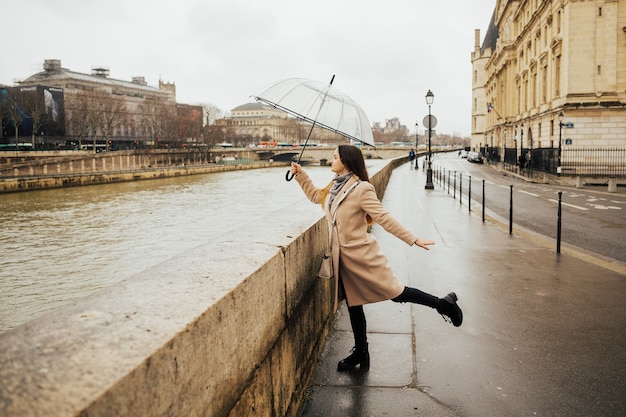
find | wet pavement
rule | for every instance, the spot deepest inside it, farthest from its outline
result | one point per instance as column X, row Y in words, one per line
column 543, row 334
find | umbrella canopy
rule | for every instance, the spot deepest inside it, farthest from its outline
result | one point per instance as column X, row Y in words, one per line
column 321, row 105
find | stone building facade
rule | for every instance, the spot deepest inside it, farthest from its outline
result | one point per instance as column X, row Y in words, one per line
column 543, row 57
column 252, row 123
column 258, row 123
column 136, row 99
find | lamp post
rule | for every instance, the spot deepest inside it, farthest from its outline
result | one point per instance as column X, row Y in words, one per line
column 416, row 125
column 558, row 162
column 430, row 97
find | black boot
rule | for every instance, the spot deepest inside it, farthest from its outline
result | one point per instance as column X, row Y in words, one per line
column 359, row 355
column 450, row 310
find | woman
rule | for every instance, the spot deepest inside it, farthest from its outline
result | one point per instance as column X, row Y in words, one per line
column 361, row 271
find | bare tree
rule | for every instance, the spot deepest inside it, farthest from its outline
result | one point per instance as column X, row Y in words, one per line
column 157, row 118
column 12, row 112
column 212, row 133
column 293, row 130
column 4, row 119
column 212, row 113
column 79, row 115
column 188, row 122
column 109, row 114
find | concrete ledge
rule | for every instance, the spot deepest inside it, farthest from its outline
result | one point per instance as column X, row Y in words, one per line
column 232, row 328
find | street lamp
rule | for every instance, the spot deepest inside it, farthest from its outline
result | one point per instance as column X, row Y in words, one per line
column 558, row 163
column 416, row 125
column 430, row 97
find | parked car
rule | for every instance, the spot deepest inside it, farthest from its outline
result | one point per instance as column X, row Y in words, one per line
column 463, row 154
column 475, row 157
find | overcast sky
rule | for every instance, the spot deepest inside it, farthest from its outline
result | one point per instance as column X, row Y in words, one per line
column 385, row 54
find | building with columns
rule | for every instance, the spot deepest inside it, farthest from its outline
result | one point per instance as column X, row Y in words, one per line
column 257, row 123
column 254, row 122
column 541, row 58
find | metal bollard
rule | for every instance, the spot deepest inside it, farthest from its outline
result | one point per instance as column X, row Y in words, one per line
column 483, row 201
column 558, row 226
column 469, row 194
column 460, row 188
column 511, row 212
column 454, row 188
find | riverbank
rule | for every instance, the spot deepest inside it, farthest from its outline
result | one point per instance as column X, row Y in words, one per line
column 44, row 170
column 76, row 179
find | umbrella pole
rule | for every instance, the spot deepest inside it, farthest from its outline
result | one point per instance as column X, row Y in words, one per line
column 289, row 175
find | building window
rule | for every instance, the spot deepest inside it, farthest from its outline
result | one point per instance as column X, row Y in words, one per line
column 557, row 76
column 551, row 128
column 533, row 91
column 544, row 84
column 599, row 69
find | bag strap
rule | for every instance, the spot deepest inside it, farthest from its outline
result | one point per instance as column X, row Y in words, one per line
column 330, row 231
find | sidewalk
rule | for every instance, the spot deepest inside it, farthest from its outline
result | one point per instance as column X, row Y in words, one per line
column 543, row 334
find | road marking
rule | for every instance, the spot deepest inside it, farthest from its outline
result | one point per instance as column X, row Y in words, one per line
column 603, row 207
column 529, row 193
column 569, row 205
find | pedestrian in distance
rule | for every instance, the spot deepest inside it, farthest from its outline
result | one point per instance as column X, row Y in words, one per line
column 361, row 271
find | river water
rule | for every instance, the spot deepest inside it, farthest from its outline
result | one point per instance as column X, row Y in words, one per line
column 60, row 245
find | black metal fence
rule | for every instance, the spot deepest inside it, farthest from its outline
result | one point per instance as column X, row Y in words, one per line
column 581, row 161
column 600, row 162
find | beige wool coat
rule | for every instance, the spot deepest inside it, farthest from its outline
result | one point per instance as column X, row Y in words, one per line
column 357, row 258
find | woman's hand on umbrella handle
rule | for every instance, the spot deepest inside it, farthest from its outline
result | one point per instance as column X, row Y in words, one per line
column 424, row 243
column 296, row 168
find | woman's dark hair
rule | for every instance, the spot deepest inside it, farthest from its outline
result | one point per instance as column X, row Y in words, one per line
column 352, row 158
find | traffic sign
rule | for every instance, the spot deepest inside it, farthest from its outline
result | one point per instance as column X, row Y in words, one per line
column 430, row 122
column 569, row 125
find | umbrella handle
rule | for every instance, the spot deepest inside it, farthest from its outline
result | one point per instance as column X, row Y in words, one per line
column 289, row 176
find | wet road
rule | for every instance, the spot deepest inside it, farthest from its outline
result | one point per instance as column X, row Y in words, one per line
column 592, row 218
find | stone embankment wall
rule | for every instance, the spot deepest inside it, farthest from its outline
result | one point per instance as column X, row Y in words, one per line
column 80, row 168
column 232, row 328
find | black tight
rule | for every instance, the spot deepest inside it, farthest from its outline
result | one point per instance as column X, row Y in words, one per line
column 415, row 296
column 409, row 295
column 359, row 325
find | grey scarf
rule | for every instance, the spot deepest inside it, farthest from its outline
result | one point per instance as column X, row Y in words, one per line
column 338, row 183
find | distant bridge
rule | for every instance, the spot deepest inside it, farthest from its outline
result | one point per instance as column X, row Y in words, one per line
column 318, row 153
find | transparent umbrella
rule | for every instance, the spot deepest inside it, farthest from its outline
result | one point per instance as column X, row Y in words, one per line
column 321, row 105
